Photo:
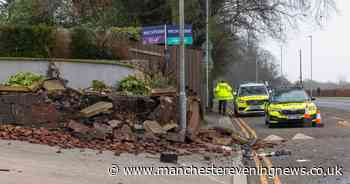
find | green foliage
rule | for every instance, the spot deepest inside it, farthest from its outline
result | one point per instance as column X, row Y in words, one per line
column 132, row 33
column 102, row 14
column 83, row 45
column 159, row 81
column 133, row 86
column 98, row 85
column 25, row 41
column 24, row 79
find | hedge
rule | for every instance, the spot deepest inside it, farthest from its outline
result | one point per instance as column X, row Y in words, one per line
column 26, row 41
column 83, row 44
column 40, row 42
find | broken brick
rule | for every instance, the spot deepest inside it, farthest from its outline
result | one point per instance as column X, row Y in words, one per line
column 100, row 107
column 170, row 126
column 154, row 127
column 78, row 127
column 53, row 86
column 167, row 110
column 175, row 137
column 124, row 133
column 114, row 123
column 104, row 129
column 225, row 141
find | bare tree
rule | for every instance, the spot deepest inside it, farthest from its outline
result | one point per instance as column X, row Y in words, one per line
column 268, row 16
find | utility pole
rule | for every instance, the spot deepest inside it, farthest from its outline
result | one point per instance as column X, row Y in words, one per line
column 281, row 61
column 301, row 69
column 207, row 55
column 182, row 97
column 311, row 86
column 256, row 70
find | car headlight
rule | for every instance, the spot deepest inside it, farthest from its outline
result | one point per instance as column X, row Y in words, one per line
column 311, row 110
column 242, row 101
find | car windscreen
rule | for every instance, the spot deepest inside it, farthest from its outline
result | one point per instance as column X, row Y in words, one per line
column 295, row 95
column 252, row 91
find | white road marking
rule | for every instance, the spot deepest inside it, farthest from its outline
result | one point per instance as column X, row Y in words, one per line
column 337, row 118
column 273, row 138
column 344, row 124
column 300, row 136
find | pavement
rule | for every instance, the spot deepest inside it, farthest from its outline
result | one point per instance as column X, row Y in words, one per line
column 33, row 164
column 22, row 162
column 316, row 147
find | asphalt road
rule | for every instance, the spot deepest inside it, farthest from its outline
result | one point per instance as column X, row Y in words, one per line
column 329, row 147
column 336, row 103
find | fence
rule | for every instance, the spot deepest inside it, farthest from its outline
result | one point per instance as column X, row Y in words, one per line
column 155, row 54
column 332, row 93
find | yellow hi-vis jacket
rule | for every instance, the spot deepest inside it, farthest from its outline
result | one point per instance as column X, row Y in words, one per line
column 223, row 91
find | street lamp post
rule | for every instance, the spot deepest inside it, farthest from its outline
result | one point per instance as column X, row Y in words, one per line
column 256, row 70
column 301, row 69
column 182, row 96
column 207, row 55
column 311, row 67
column 281, row 61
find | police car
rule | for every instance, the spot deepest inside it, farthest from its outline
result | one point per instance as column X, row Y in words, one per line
column 291, row 105
column 251, row 99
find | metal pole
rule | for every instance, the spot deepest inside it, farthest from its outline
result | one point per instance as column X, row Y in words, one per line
column 182, row 98
column 281, row 60
column 207, row 56
column 311, row 86
column 256, row 70
column 301, row 69
column 165, row 37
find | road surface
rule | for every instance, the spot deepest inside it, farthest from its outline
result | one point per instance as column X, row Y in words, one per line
column 335, row 103
column 318, row 147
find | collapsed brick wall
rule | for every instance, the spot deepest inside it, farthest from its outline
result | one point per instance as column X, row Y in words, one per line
column 27, row 109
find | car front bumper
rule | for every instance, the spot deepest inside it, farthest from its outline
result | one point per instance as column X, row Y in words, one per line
column 246, row 110
column 275, row 120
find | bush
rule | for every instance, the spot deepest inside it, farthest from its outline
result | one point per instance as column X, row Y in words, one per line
column 98, row 85
column 131, row 33
column 83, row 44
column 160, row 81
column 133, row 86
column 26, row 41
column 24, row 79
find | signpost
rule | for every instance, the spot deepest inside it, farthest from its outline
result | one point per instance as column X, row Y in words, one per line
column 153, row 35
column 166, row 34
column 173, row 35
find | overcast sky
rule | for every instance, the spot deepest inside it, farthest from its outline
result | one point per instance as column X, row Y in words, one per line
column 331, row 49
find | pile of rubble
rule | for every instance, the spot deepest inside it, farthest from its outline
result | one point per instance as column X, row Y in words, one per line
column 55, row 115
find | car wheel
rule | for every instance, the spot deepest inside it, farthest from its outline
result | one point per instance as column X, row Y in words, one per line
column 271, row 125
column 267, row 120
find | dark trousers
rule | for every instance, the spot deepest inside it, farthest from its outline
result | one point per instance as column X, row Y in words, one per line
column 222, row 106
